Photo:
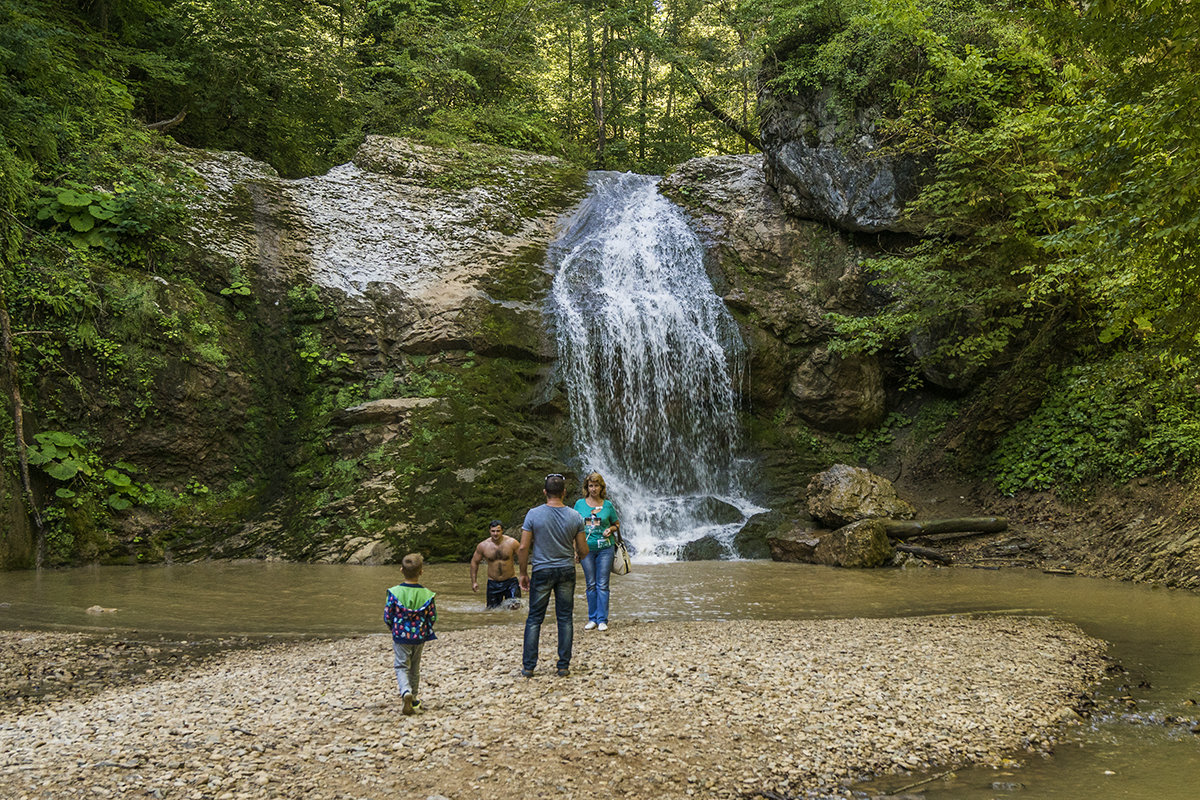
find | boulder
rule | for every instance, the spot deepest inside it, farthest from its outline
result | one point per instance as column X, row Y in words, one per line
column 372, row 553
column 859, row 545
column 843, row 494
column 839, row 392
column 958, row 372
column 751, row 540
column 797, row 545
column 715, row 511
column 706, row 548
column 827, row 164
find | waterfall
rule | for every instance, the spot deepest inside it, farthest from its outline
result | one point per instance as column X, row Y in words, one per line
column 651, row 360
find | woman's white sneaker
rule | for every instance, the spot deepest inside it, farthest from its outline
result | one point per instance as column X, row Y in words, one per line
column 603, row 626
column 591, row 625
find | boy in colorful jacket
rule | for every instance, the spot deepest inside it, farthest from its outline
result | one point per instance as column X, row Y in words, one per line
column 410, row 613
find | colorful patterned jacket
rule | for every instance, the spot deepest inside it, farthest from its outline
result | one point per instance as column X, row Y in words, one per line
column 410, row 613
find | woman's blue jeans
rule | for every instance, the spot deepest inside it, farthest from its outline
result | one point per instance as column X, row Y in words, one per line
column 597, row 566
column 560, row 581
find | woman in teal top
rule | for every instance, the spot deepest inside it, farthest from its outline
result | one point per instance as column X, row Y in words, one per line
column 600, row 523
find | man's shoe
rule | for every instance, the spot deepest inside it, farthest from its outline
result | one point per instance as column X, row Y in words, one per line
column 563, row 672
column 603, row 626
column 589, row 626
column 408, row 704
column 526, row 673
column 417, row 709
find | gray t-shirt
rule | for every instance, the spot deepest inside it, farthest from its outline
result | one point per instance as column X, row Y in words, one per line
column 553, row 530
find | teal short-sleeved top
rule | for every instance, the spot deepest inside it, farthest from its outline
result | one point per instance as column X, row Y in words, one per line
column 596, row 521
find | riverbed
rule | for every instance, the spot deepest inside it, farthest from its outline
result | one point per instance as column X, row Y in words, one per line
column 1136, row 744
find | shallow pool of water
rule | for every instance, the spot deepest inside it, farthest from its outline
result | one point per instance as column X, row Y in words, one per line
column 1123, row 752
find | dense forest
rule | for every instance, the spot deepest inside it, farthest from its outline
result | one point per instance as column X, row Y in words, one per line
column 1058, row 265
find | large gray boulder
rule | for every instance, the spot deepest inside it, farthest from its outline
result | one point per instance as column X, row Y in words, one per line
column 859, row 545
column 836, row 392
column 827, row 162
column 843, row 494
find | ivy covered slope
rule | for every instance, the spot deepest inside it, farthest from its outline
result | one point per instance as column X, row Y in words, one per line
column 350, row 363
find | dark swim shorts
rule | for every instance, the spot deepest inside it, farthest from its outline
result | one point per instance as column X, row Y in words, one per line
column 499, row 592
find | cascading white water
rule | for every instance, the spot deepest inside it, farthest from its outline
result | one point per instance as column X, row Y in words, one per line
column 651, row 359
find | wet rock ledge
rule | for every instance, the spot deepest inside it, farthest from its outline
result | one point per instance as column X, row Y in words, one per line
column 723, row 710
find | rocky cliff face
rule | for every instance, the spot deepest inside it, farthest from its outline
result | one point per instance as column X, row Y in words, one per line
column 828, row 163
column 362, row 360
column 781, row 275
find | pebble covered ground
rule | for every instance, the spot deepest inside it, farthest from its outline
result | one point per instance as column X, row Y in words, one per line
column 718, row 710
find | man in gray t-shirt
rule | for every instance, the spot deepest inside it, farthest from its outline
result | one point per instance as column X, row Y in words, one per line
column 552, row 538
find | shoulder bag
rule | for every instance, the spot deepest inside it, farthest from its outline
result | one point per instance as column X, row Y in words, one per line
column 620, row 563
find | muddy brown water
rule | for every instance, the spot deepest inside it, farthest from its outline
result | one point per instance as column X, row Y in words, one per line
column 1138, row 744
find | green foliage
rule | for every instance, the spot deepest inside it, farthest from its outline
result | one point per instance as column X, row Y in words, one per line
column 265, row 77
column 239, row 284
column 61, row 455
column 312, row 352
column 86, row 491
column 1127, row 130
column 306, row 305
column 97, row 218
column 1126, row 416
column 66, row 459
column 1059, row 204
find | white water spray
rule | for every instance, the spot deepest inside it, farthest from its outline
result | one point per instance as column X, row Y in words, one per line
column 651, row 359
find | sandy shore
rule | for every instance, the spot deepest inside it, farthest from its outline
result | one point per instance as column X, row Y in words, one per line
column 652, row 710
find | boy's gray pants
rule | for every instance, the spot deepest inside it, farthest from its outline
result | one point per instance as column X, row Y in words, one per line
column 408, row 666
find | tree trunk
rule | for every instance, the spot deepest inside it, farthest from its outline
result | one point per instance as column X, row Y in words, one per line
column 905, row 529
column 167, row 124
column 705, row 102
column 570, row 83
column 597, row 90
column 10, row 368
column 643, row 107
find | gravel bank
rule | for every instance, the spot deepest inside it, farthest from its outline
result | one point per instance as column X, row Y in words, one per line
column 39, row 667
column 653, row 710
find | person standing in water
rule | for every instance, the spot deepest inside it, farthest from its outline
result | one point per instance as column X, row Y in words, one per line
column 601, row 525
column 500, row 553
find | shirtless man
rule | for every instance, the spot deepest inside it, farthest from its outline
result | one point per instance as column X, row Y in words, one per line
column 499, row 551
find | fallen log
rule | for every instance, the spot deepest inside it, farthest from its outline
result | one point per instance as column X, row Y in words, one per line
column 925, row 552
column 167, row 124
column 907, row 528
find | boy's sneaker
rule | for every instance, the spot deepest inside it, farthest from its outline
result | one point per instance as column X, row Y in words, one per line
column 589, row 626
column 563, row 672
column 603, row 626
column 417, row 709
column 526, row 673
column 408, row 704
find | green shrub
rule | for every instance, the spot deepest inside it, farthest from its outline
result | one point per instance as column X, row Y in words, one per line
column 1132, row 414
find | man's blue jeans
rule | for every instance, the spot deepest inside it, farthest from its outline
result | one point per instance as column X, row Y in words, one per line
column 597, row 566
column 560, row 581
